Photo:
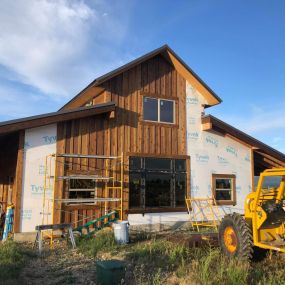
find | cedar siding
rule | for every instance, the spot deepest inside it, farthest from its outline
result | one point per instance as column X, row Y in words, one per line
column 126, row 131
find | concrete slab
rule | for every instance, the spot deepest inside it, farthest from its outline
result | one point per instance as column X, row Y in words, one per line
column 25, row 237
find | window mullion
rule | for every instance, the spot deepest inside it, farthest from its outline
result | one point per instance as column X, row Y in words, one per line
column 158, row 105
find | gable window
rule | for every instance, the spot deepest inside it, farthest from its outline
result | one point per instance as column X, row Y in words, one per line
column 224, row 189
column 158, row 110
column 157, row 183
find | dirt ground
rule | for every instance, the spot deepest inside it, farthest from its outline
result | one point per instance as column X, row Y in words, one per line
column 63, row 265
column 60, row 265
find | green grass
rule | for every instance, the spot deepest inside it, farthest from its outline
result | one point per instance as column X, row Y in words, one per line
column 158, row 261
column 103, row 241
column 12, row 259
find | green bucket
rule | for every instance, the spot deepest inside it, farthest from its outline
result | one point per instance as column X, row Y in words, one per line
column 110, row 272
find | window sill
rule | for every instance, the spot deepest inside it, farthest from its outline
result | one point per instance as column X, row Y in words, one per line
column 225, row 203
column 152, row 123
column 155, row 210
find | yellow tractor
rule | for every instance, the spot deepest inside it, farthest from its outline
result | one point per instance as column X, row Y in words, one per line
column 263, row 223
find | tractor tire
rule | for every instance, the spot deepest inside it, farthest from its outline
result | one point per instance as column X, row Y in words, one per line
column 235, row 237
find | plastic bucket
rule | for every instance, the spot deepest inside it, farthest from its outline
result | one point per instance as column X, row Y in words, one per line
column 121, row 232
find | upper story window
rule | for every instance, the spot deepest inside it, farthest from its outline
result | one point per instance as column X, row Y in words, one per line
column 158, row 110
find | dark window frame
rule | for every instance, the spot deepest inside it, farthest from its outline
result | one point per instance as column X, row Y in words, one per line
column 159, row 111
column 175, row 173
column 231, row 202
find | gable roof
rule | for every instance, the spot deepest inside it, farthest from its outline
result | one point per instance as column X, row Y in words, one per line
column 211, row 123
column 94, row 88
column 55, row 117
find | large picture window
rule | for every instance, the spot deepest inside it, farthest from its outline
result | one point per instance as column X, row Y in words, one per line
column 157, row 183
column 158, row 110
column 224, row 189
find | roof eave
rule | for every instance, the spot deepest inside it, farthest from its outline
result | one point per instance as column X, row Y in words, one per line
column 55, row 117
column 215, row 122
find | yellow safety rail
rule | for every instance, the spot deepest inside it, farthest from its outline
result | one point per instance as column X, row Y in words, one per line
column 203, row 212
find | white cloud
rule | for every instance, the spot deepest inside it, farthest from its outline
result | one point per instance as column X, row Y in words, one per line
column 257, row 119
column 264, row 123
column 57, row 46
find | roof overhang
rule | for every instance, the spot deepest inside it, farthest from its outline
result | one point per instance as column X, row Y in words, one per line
column 55, row 117
column 213, row 124
column 95, row 88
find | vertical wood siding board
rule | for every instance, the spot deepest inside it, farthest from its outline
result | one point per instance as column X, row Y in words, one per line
column 144, row 134
column 75, row 161
column 157, row 75
column 128, row 110
column 138, row 109
column 60, row 170
column 174, row 82
column 89, row 215
column 108, row 90
column 72, row 218
column 17, row 197
column 106, row 141
column 83, row 130
column 125, row 107
column 170, row 80
column 162, row 76
column 145, row 82
column 107, row 129
column 172, row 146
column 162, row 140
column 88, row 125
column 92, row 142
column 167, row 141
column 68, row 143
column 119, row 113
column 151, row 75
column 167, row 79
column 80, row 145
column 113, row 135
column 133, row 109
column 80, row 217
column 72, row 132
column 154, row 142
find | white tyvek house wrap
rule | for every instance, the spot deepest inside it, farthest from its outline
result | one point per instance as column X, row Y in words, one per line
column 213, row 153
column 39, row 142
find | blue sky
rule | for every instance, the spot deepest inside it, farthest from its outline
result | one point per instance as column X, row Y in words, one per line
column 50, row 50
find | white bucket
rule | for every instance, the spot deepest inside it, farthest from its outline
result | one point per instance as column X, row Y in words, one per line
column 121, row 232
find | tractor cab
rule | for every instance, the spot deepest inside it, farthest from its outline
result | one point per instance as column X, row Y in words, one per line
column 263, row 223
column 264, row 210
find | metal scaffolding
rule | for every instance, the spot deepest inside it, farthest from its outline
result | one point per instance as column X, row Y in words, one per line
column 111, row 178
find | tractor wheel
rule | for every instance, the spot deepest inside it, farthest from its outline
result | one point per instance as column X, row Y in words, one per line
column 235, row 237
